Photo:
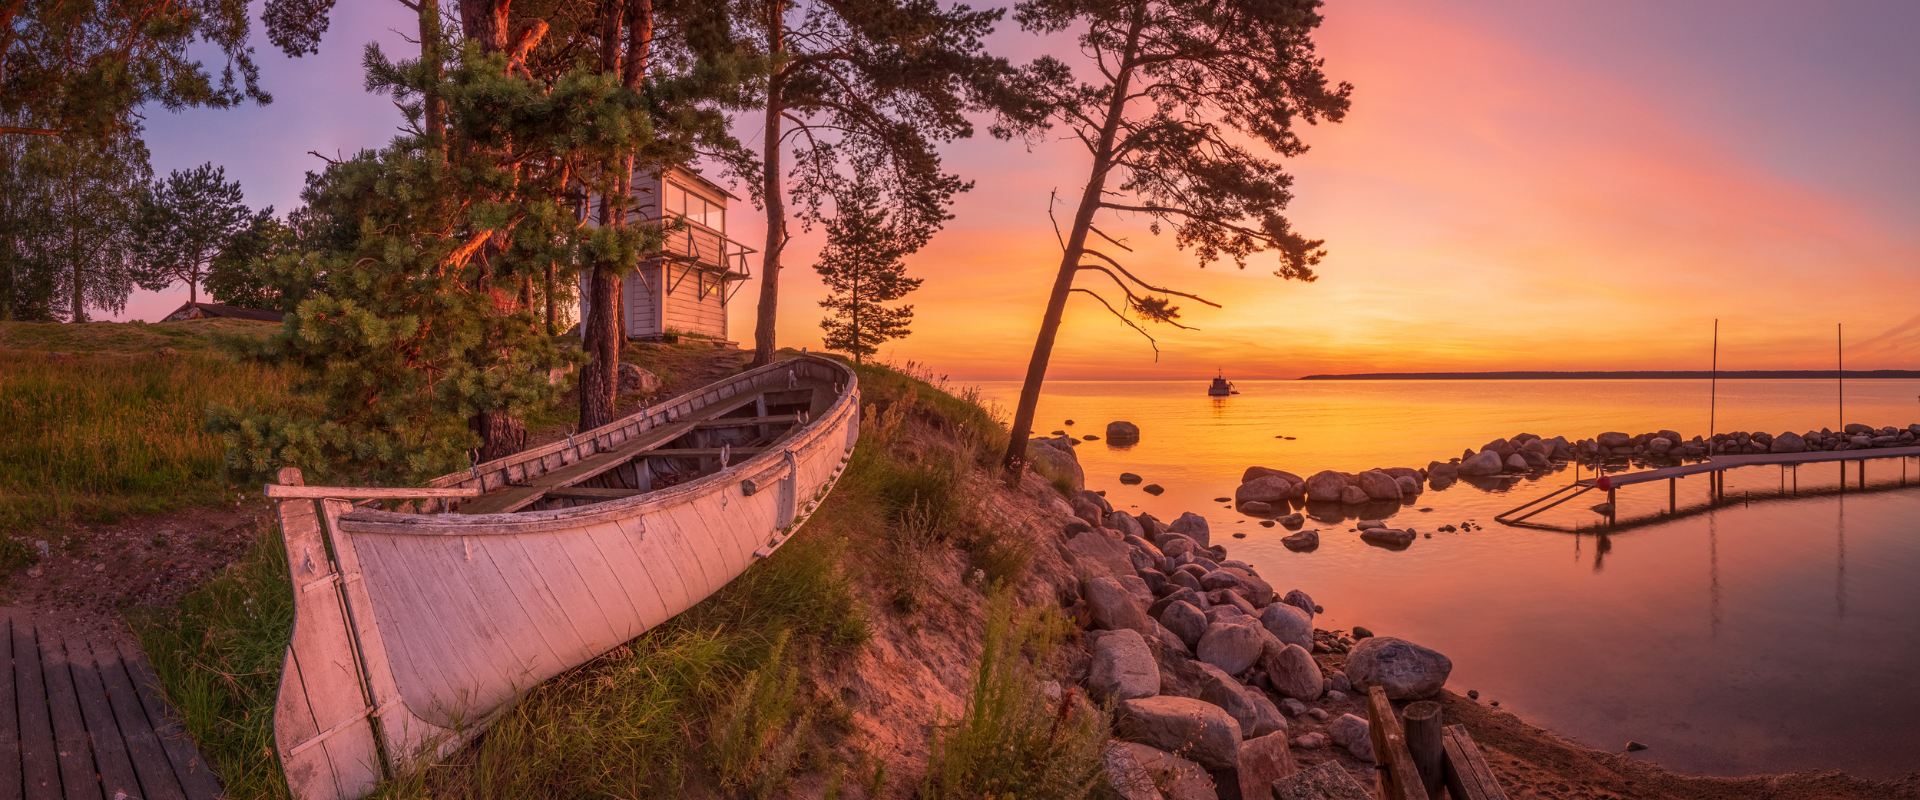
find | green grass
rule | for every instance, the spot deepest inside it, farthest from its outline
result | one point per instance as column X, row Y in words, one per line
column 716, row 700
column 1012, row 741
column 219, row 655
column 108, row 433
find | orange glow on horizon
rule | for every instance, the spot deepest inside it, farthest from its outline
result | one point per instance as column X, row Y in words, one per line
column 1486, row 208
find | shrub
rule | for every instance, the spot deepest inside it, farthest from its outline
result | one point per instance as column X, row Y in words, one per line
column 1012, row 741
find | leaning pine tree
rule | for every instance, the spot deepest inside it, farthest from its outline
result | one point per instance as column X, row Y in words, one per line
column 862, row 269
column 1187, row 90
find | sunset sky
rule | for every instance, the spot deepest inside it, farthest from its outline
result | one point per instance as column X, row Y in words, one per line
column 1519, row 185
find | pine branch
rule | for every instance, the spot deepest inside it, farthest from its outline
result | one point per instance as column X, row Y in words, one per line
column 1136, row 279
column 1130, row 323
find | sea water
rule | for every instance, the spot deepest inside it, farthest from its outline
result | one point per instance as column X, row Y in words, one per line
column 1774, row 630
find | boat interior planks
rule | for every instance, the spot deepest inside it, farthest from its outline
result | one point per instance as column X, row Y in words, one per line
column 417, row 623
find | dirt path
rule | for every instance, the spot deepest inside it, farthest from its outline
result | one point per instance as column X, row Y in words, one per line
column 89, row 575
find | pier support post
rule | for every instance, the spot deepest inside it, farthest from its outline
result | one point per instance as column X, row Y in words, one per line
column 1422, row 722
column 1673, row 495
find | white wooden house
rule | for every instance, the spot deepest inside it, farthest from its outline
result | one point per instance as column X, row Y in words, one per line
column 687, row 288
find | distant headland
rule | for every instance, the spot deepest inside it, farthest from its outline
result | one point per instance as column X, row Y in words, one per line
column 1623, row 375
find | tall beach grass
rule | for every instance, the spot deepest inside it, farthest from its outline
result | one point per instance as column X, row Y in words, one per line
column 95, row 436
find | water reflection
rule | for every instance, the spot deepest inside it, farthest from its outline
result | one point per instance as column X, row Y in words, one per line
column 1614, row 644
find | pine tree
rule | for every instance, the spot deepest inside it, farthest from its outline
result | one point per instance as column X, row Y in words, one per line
column 867, row 87
column 422, row 344
column 862, row 268
column 78, row 69
column 1187, row 101
column 185, row 222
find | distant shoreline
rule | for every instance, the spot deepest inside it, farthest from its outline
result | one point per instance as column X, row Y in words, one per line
column 1701, row 374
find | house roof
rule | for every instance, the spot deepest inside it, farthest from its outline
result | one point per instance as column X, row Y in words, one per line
column 228, row 312
column 684, row 173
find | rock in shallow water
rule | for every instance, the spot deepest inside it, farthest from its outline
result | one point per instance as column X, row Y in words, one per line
column 1302, row 541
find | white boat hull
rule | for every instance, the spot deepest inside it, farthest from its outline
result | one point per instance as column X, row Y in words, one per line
column 420, row 628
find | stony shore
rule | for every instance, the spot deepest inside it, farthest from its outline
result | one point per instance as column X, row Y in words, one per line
column 1220, row 681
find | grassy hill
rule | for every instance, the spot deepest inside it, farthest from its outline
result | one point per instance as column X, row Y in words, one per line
column 105, row 419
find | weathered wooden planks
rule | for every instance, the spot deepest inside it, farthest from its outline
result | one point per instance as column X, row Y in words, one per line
column 72, row 724
column 73, row 748
column 1468, row 777
column 1399, row 778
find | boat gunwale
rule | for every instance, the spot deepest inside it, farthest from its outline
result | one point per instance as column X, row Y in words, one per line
column 758, row 468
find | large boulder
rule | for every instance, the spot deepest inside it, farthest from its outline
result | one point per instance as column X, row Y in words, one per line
column 1405, row 670
column 1256, row 472
column 1441, row 473
column 1378, row 485
column 1409, row 487
column 1094, row 498
column 1201, row 731
column 1101, row 554
column 1254, row 588
column 1186, row 621
column 1250, row 707
column 1123, row 667
column 1127, row 778
column 1301, row 600
column 1268, row 489
column 1483, row 464
column 1353, row 733
column 1517, row 463
column 1353, row 496
column 1292, row 672
column 1288, row 624
column 1614, row 439
column 1234, row 647
column 1115, row 608
column 1263, row 760
column 1325, row 486
column 1659, row 446
column 1057, row 455
column 1302, row 541
column 1125, row 523
column 1788, row 442
column 1170, row 777
column 1390, row 538
column 634, row 380
column 1122, row 433
column 1194, row 527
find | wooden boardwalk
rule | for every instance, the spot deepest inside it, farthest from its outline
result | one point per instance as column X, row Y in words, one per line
column 81, row 719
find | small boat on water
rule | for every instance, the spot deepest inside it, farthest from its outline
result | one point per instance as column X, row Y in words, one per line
column 415, row 627
column 1221, row 387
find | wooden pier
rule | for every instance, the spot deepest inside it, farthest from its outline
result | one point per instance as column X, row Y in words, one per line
column 83, row 719
column 1714, row 468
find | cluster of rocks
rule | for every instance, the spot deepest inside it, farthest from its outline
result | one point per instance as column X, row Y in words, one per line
column 1210, row 670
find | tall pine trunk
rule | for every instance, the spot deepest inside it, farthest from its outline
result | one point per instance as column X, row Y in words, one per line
column 1015, row 461
column 763, row 337
column 604, row 329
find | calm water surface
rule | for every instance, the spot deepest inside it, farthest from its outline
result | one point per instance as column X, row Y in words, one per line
column 1778, row 630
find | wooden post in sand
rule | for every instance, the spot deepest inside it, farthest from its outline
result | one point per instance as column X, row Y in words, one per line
column 1423, row 741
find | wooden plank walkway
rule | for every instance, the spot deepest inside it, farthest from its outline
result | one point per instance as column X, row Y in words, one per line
column 83, row 719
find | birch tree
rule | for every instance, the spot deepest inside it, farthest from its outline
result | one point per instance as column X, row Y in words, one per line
column 1186, row 108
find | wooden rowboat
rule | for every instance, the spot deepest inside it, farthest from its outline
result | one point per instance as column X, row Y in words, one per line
column 414, row 628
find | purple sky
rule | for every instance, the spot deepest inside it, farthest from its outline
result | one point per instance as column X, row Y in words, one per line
column 1520, row 185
